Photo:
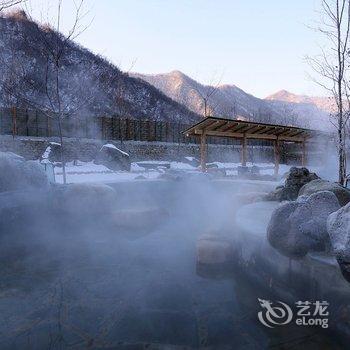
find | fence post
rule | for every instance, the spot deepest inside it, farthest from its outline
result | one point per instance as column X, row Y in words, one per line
column 148, row 130
column 127, row 131
column 14, row 122
column 36, row 124
column 166, row 131
column 47, row 126
column 155, row 130
column 27, row 122
column 86, row 127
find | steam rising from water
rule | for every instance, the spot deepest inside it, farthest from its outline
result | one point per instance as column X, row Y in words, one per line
column 80, row 282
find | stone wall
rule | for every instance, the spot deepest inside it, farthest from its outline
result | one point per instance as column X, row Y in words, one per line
column 86, row 149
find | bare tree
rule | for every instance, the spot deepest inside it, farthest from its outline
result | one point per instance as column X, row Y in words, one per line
column 208, row 93
column 332, row 66
column 53, row 49
column 5, row 4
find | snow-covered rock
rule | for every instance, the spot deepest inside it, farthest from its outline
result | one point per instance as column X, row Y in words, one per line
column 138, row 219
column 338, row 227
column 113, row 158
column 295, row 180
column 18, row 174
column 297, row 227
column 85, row 198
column 191, row 161
column 214, row 250
column 342, row 193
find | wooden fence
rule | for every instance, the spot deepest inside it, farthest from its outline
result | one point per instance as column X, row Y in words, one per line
column 19, row 122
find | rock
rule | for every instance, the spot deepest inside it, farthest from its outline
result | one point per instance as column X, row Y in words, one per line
column 113, row 158
column 295, row 180
column 214, row 250
column 242, row 170
column 18, row 174
column 338, row 227
column 217, row 172
column 251, row 197
column 192, row 161
column 276, row 195
column 297, row 227
column 86, row 198
column 342, row 193
column 180, row 175
column 140, row 177
column 212, row 166
column 255, row 170
column 35, row 174
column 138, row 219
column 52, row 154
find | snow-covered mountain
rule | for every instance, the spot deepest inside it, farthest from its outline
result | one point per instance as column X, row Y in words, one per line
column 89, row 84
column 323, row 103
column 227, row 100
column 233, row 102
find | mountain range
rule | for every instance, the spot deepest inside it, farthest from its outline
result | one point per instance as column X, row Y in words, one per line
column 89, row 85
column 227, row 100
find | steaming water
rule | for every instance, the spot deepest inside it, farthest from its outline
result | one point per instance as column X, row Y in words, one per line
column 98, row 289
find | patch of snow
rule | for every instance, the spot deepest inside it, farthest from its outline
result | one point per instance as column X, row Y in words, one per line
column 181, row 166
column 109, row 145
column 46, row 154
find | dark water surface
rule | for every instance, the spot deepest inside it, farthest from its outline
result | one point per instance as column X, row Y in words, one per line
column 93, row 289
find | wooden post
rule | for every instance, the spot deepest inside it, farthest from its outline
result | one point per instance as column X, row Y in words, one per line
column 244, row 151
column 27, row 122
column 204, row 152
column 303, row 155
column 14, row 122
column 47, row 126
column 276, row 149
column 37, row 123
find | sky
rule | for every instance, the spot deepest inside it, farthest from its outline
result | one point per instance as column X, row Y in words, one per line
column 259, row 46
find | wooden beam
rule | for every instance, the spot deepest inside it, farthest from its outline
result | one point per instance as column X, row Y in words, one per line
column 257, row 129
column 277, row 156
column 204, row 152
column 244, row 151
column 263, row 129
column 239, row 127
column 250, row 136
column 231, row 126
column 216, row 125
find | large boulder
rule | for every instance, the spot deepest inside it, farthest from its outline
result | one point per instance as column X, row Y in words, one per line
column 137, row 221
column 85, row 198
column 113, row 158
column 52, row 153
column 297, row 227
column 338, row 227
column 342, row 193
column 214, row 250
column 18, row 174
column 295, row 180
column 191, row 161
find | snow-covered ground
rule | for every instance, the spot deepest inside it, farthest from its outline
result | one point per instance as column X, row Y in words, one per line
column 90, row 172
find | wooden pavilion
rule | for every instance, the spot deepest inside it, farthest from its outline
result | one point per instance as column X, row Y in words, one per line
column 245, row 130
